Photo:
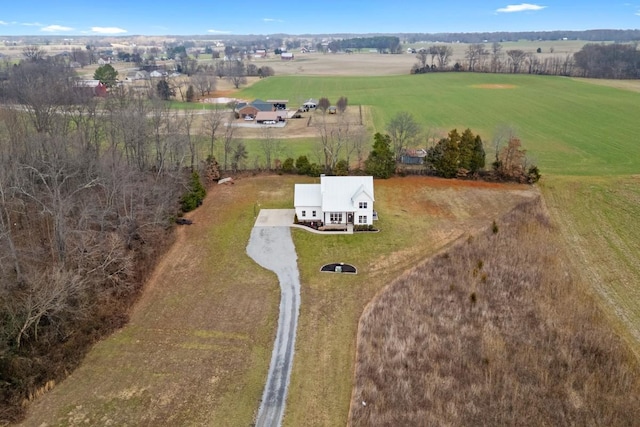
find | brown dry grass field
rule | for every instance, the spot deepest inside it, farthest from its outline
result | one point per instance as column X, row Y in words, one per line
column 496, row 330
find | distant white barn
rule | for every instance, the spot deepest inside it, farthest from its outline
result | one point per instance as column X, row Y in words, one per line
column 336, row 200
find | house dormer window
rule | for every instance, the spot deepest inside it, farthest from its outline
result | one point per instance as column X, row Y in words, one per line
column 362, row 205
column 304, row 213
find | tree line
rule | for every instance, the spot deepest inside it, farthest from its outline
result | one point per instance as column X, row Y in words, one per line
column 383, row 44
column 616, row 60
column 505, row 36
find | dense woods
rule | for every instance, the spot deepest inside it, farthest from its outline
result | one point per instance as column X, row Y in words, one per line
column 88, row 191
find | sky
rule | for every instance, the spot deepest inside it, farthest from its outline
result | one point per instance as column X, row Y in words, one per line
column 220, row 17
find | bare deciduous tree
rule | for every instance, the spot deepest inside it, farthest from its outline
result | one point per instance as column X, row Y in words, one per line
column 271, row 146
column 204, row 83
column 516, row 57
column 41, row 88
column 422, row 56
column 323, row 104
column 33, row 53
column 403, row 129
column 211, row 123
column 475, row 54
column 496, row 54
column 235, row 73
column 443, row 53
column 341, row 105
column 228, row 142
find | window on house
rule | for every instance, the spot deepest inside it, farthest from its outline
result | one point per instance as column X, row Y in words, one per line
column 363, row 205
column 362, row 219
column 313, row 214
column 304, row 213
column 335, row 217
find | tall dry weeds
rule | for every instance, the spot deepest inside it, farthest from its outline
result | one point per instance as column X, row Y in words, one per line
column 496, row 331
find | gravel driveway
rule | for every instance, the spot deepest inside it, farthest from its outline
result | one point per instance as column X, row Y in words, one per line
column 271, row 246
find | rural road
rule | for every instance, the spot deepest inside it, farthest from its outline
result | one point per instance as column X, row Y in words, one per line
column 271, row 246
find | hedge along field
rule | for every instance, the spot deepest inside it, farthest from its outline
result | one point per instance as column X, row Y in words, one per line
column 569, row 127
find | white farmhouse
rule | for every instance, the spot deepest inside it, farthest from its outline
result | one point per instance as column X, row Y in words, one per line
column 336, row 200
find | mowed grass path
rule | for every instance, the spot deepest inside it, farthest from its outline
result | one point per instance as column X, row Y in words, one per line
column 598, row 217
column 570, row 127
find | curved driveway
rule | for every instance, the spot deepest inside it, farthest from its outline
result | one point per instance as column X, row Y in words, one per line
column 271, row 246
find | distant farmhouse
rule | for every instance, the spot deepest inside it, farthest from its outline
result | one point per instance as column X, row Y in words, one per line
column 337, row 201
column 271, row 110
column 91, row 88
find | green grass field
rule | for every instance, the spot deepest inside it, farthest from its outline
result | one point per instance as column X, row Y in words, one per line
column 568, row 127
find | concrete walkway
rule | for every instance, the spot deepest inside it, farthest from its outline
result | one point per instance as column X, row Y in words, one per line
column 284, row 218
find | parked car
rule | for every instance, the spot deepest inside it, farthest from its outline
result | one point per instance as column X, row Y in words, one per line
column 248, row 118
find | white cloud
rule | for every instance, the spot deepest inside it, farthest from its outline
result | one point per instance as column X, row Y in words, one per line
column 218, row 32
column 32, row 24
column 107, row 30
column 272, row 20
column 56, row 28
column 523, row 7
column 4, row 23
column 638, row 13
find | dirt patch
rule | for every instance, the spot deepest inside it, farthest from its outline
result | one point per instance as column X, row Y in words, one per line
column 494, row 86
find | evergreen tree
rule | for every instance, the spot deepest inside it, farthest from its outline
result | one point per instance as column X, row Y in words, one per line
column 303, row 166
column 456, row 154
column 288, row 165
column 341, row 168
column 478, row 158
column 191, row 94
column 194, row 195
column 107, row 75
column 381, row 161
column 466, row 145
column 164, row 90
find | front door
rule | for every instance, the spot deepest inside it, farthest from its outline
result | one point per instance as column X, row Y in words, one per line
column 350, row 218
